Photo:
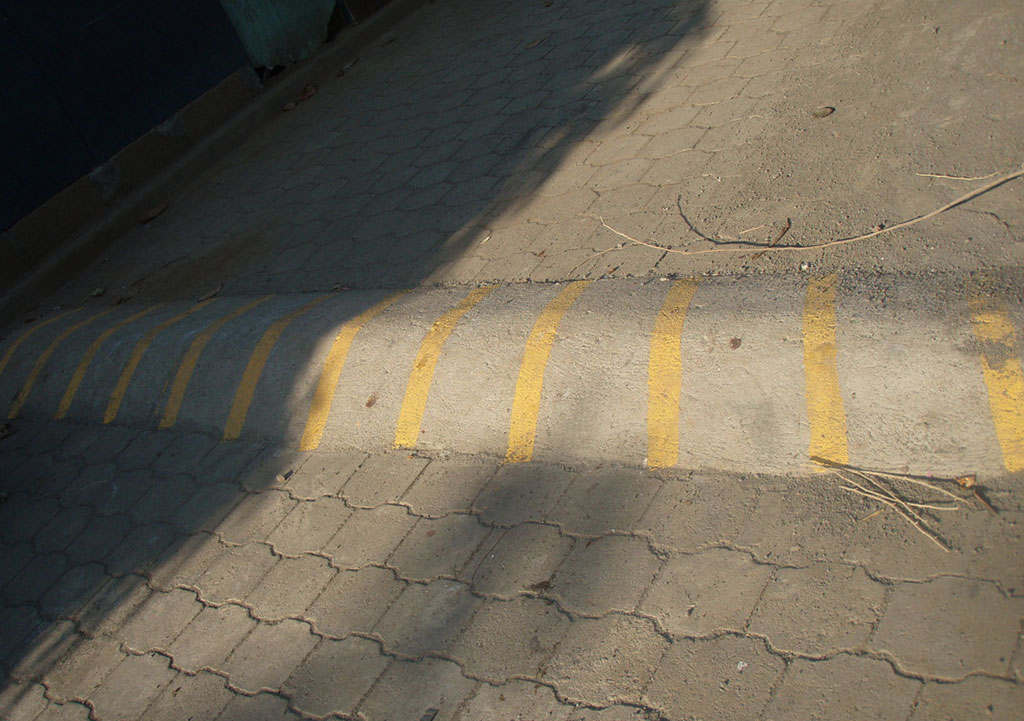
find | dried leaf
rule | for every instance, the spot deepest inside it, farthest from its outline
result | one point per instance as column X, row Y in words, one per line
column 823, row 111
column 967, row 481
column 289, row 106
column 371, row 401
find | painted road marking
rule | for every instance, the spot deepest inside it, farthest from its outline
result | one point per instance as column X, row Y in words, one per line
column 87, row 358
column 42, row 360
column 1004, row 378
column 323, row 396
column 665, row 377
column 824, row 400
column 188, row 363
column 123, row 380
column 407, row 431
column 29, row 333
column 254, row 369
column 526, row 403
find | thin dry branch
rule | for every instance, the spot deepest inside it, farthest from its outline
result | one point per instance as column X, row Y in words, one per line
column 957, row 177
column 829, row 244
column 910, row 518
column 905, row 477
column 878, row 497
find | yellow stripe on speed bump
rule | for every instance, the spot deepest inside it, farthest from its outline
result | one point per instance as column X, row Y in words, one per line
column 254, row 369
column 824, row 400
column 26, row 389
column 121, row 387
column 407, row 432
column 1004, row 377
column 323, row 396
column 665, row 377
column 188, row 363
column 29, row 333
column 87, row 358
column 526, row 404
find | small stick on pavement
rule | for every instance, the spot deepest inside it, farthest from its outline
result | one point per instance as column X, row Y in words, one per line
column 905, row 477
column 957, row 177
column 860, row 491
column 832, row 243
column 789, row 224
column 919, row 525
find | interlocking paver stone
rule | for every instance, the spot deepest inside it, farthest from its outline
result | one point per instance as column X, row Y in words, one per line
column 715, row 679
column 235, row 572
column 262, row 707
column 190, row 698
column 819, row 610
column 70, row 711
column 980, row 627
column 521, row 492
column 447, row 486
column 510, row 638
column 369, row 536
column 159, row 619
column 383, row 478
column 427, row 618
column 438, row 547
column 289, row 587
column 521, row 558
column 517, row 701
column 325, row 474
column 269, row 654
column 210, row 637
column 354, row 601
column 606, row 660
column 842, row 687
column 973, row 698
column 602, row 501
column 698, row 595
column 610, row 573
column 335, row 676
column 131, row 687
column 22, row 702
column 410, row 690
column 256, row 517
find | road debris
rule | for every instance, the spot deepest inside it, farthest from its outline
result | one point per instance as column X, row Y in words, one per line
column 823, row 111
column 880, row 486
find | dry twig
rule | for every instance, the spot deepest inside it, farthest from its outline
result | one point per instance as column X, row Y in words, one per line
column 957, row 177
column 829, row 244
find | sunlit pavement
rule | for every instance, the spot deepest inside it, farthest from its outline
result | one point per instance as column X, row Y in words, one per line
column 383, row 420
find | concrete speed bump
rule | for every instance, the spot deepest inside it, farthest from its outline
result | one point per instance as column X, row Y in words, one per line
column 752, row 375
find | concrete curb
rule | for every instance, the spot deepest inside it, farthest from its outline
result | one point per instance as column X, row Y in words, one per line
column 71, row 229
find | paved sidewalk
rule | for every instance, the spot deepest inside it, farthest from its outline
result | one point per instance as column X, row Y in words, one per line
column 481, row 141
column 163, row 575
column 167, row 553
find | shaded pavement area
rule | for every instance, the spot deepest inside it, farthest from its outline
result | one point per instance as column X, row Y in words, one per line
column 186, row 572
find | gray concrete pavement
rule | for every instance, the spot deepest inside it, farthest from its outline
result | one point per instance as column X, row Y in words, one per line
column 347, row 432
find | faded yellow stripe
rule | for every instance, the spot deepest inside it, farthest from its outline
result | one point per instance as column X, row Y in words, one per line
column 1004, row 377
column 254, row 369
column 188, row 363
column 121, row 387
column 87, row 358
column 33, row 376
column 407, row 431
column 323, row 396
column 665, row 377
column 824, row 400
column 526, row 404
column 29, row 333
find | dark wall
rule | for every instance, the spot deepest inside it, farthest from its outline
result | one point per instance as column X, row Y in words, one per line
column 83, row 78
